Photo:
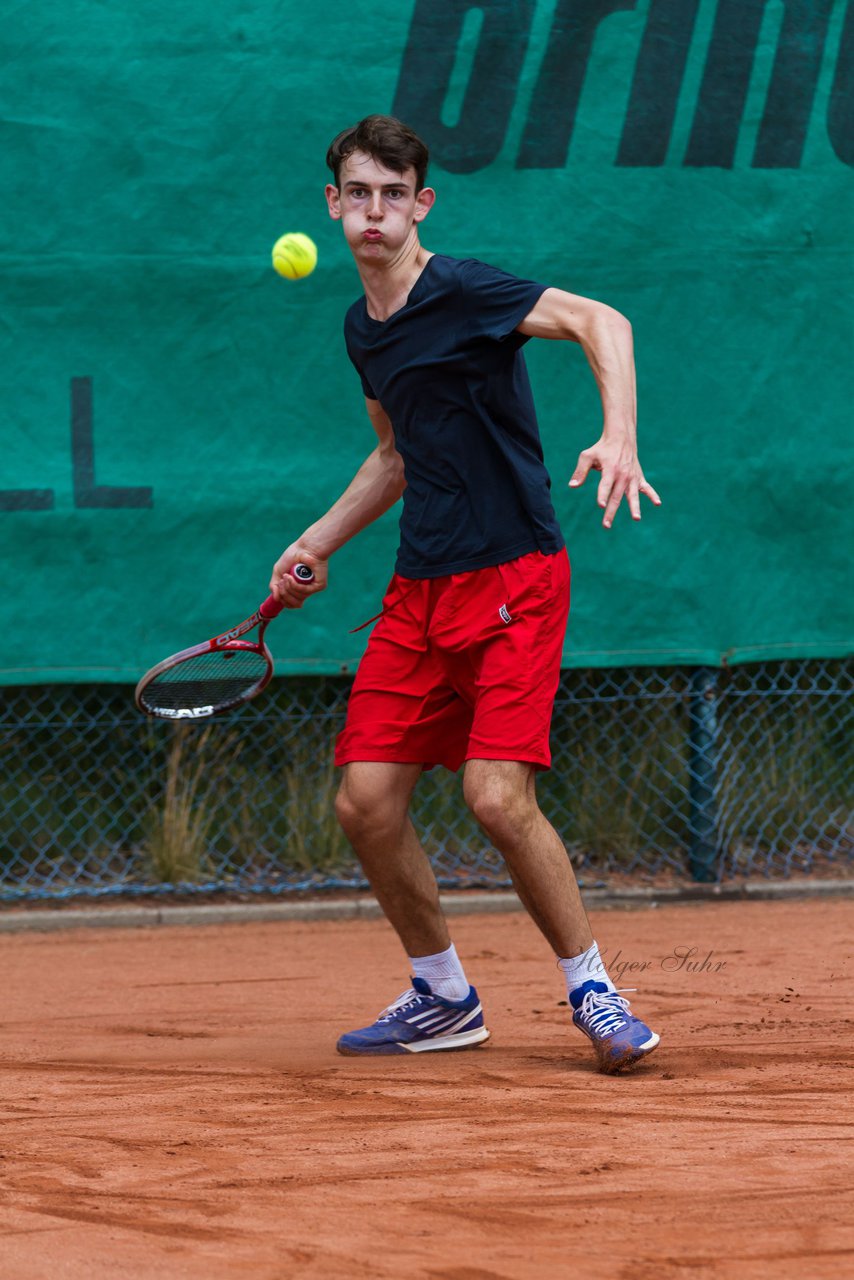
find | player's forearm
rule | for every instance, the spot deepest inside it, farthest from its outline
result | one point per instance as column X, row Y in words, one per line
column 607, row 343
column 376, row 486
column 605, row 336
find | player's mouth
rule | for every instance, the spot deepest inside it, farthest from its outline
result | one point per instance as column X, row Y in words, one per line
column 372, row 234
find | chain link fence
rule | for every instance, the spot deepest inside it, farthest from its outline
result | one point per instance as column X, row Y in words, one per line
column 698, row 773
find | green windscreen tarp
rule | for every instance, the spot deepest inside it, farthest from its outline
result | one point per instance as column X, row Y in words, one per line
column 174, row 413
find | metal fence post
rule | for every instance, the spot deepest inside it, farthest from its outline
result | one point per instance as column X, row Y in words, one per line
column 702, row 772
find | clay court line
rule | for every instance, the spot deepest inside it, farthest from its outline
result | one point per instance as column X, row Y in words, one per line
column 218, row 982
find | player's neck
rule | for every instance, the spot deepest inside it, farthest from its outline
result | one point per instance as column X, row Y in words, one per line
column 388, row 284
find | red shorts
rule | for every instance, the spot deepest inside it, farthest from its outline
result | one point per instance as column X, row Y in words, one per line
column 462, row 667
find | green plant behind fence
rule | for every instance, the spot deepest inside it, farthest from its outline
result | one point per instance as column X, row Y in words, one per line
column 176, row 850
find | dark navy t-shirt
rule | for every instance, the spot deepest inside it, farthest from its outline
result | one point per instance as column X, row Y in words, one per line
column 448, row 370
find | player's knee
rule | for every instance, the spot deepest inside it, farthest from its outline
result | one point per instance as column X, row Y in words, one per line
column 351, row 810
column 362, row 812
column 498, row 806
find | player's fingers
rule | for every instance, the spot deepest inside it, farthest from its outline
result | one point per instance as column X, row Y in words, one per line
column 614, row 498
column 293, row 599
column 647, row 490
column 632, row 494
column 296, row 592
column 286, row 590
column 582, row 470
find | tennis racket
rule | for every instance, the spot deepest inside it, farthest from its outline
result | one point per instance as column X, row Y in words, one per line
column 218, row 674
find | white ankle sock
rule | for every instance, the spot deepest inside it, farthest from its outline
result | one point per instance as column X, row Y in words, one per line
column 444, row 973
column 580, row 969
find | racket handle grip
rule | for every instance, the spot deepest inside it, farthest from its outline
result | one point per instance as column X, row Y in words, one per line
column 271, row 608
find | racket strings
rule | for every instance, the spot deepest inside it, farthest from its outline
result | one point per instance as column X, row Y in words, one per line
column 208, row 680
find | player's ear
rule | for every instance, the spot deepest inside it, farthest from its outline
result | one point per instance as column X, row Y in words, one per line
column 333, row 200
column 424, row 203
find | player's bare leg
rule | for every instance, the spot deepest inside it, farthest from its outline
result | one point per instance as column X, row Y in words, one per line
column 441, row 1010
column 502, row 796
column 373, row 808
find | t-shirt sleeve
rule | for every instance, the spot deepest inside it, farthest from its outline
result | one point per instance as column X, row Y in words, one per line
column 366, row 386
column 354, row 360
column 495, row 302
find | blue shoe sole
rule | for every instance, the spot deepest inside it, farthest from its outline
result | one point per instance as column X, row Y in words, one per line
column 350, row 1052
column 464, row 1040
column 610, row 1064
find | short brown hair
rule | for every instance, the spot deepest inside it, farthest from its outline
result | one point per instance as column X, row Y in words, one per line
column 390, row 141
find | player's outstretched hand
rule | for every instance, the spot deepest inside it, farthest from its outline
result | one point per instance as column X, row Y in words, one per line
column 622, row 477
column 286, row 588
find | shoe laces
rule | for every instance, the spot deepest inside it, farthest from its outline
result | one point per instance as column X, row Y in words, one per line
column 605, row 1011
column 405, row 1000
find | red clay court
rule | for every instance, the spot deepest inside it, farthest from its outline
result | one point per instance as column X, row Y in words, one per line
column 174, row 1106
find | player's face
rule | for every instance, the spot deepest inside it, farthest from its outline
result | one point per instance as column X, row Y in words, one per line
column 379, row 209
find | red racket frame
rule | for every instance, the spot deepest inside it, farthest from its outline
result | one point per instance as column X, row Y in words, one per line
column 226, row 642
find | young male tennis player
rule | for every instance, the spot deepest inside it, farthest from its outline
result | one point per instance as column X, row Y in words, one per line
column 463, row 665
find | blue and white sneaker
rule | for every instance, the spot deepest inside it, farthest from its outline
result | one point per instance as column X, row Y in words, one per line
column 619, row 1038
column 418, row 1021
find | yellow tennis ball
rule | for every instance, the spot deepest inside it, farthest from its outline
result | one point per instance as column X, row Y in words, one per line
column 294, row 255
